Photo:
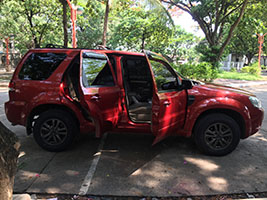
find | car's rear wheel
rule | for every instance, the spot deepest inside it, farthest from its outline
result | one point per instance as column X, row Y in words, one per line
column 217, row 134
column 54, row 130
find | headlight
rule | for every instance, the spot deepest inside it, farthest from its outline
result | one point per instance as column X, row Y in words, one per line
column 255, row 101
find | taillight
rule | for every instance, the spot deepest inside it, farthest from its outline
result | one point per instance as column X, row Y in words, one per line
column 64, row 91
column 61, row 87
column 11, row 86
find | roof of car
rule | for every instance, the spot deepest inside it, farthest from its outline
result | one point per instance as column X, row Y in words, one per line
column 93, row 50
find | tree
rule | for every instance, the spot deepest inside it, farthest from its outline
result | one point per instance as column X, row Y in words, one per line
column 9, row 146
column 90, row 26
column 181, row 45
column 32, row 23
column 64, row 22
column 41, row 16
column 137, row 28
column 213, row 18
column 109, row 6
column 245, row 41
column 104, row 39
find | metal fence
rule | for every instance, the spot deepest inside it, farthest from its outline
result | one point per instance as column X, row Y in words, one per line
column 14, row 59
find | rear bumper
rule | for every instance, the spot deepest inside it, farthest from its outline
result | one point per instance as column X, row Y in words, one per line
column 15, row 112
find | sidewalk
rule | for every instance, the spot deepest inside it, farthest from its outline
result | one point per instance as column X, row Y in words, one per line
column 5, row 77
column 239, row 83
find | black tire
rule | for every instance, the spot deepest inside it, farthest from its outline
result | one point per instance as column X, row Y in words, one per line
column 54, row 130
column 217, row 134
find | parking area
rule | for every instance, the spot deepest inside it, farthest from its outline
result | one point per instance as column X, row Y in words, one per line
column 127, row 165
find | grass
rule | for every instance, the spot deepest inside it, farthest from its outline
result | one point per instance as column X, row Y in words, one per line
column 241, row 76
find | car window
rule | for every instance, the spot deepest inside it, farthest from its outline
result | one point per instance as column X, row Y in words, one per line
column 39, row 66
column 113, row 64
column 165, row 79
column 96, row 72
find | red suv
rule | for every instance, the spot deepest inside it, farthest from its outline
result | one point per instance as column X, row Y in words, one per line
column 57, row 93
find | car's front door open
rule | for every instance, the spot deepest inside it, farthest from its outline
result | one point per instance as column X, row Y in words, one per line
column 168, row 103
column 100, row 93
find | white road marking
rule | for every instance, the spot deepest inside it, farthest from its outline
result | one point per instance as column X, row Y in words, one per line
column 87, row 180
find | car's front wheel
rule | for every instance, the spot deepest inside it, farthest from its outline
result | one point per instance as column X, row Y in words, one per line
column 54, row 130
column 217, row 134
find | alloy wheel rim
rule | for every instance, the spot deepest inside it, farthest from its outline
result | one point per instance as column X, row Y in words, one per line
column 218, row 136
column 54, row 132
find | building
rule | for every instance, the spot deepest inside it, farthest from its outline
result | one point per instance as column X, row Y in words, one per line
column 238, row 62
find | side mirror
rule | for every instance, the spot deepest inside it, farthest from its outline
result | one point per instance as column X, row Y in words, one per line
column 186, row 84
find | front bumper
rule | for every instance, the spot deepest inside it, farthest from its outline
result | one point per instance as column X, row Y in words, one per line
column 256, row 121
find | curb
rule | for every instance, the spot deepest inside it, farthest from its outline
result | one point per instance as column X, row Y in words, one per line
column 241, row 85
column 21, row 197
column 253, row 199
column 4, row 85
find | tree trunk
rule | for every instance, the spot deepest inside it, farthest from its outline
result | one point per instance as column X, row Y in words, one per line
column 104, row 39
column 64, row 21
column 9, row 146
column 232, row 28
column 143, row 42
column 249, row 57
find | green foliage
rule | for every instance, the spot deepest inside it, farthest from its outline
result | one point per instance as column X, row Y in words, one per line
column 202, row 71
column 31, row 23
column 252, row 69
column 233, row 69
column 208, row 53
column 240, row 76
column 213, row 18
column 181, row 46
column 90, row 26
column 245, row 41
column 137, row 28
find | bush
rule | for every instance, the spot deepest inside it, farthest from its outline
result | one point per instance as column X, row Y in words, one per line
column 202, row 71
column 233, row 69
column 252, row 69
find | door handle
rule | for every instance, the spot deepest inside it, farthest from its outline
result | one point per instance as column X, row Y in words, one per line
column 166, row 103
column 95, row 97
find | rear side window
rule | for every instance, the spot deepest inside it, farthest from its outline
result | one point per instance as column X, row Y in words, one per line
column 39, row 66
column 96, row 71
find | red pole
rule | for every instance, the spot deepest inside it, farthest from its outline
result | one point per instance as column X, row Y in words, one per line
column 260, row 41
column 73, row 20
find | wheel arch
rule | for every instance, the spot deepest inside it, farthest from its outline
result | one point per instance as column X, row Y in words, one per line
column 231, row 113
column 45, row 107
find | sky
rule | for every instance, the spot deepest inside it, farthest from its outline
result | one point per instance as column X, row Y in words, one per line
column 187, row 23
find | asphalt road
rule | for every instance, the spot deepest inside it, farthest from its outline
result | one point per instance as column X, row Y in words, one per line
column 127, row 165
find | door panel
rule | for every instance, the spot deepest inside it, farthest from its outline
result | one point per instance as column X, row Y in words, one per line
column 101, row 95
column 168, row 113
column 168, row 104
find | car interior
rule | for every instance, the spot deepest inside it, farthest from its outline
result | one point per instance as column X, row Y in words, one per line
column 138, row 86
